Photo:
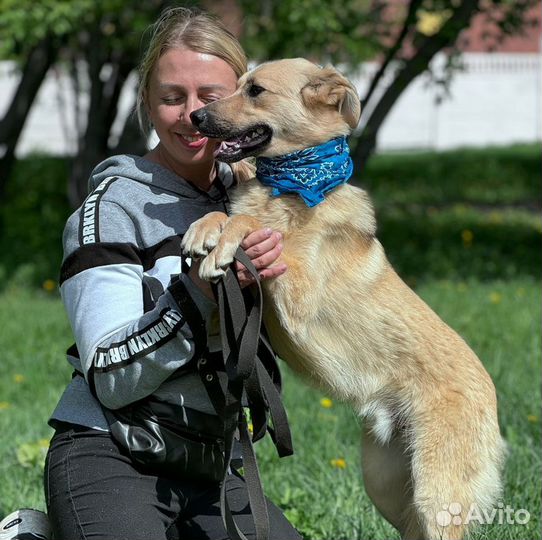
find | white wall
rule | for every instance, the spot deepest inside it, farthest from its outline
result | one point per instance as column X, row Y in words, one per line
column 495, row 100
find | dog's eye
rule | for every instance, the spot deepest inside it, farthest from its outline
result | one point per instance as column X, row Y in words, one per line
column 255, row 90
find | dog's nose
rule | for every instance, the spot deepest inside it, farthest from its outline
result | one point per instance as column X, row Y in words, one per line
column 197, row 117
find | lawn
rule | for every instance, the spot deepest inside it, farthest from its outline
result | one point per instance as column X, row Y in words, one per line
column 320, row 486
column 462, row 228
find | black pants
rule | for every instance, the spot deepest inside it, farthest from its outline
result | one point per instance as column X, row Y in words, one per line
column 93, row 491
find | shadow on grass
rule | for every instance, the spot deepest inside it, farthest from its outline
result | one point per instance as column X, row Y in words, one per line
column 461, row 243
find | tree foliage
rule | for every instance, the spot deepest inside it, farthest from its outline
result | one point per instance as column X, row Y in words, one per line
column 25, row 23
column 337, row 32
column 85, row 36
column 99, row 44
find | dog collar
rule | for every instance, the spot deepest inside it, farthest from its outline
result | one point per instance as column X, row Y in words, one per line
column 309, row 173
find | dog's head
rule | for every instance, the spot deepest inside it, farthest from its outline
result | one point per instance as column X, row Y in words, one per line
column 278, row 108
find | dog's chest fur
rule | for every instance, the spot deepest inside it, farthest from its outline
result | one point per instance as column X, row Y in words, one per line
column 333, row 263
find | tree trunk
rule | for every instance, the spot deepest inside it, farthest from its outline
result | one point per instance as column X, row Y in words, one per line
column 391, row 53
column 405, row 74
column 104, row 97
column 131, row 140
column 37, row 64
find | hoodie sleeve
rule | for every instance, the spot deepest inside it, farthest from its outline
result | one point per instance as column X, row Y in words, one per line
column 126, row 352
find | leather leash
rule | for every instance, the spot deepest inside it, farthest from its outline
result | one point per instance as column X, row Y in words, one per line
column 253, row 379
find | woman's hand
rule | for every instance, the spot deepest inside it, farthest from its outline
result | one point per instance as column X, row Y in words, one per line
column 263, row 247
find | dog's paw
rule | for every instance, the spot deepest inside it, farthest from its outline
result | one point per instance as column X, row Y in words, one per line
column 199, row 242
column 214, row 266
column 208, row 270
column 202, row 236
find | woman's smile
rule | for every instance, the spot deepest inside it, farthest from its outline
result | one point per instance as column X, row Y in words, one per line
column 194, row 142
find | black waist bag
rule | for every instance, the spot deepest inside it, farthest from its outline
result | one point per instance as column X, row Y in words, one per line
column 170, row 440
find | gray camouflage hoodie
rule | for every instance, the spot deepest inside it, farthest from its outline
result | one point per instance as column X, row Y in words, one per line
column 121, row 250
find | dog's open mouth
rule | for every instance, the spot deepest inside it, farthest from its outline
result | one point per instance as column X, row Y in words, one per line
column 244, row 144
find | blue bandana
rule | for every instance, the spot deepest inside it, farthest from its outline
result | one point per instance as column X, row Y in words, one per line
column 310, row 172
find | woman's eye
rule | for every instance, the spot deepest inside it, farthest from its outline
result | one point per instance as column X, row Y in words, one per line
column 171, row 100
column 255, row 90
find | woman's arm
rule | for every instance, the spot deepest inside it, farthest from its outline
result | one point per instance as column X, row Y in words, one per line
column 125, row 352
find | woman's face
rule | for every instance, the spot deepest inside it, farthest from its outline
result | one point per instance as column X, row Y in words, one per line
column 183, row 81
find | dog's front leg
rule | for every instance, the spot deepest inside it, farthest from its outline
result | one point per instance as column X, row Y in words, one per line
column 202, row 236
column 234, row 232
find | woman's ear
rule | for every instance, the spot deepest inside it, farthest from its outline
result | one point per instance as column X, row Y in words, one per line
column 331, row 88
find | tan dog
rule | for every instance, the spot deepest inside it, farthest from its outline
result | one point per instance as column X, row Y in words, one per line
column 341, row 317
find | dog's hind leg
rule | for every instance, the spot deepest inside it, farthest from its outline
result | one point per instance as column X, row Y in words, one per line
column 387, row 480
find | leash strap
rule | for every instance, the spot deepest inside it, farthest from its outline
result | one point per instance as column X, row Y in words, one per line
column 254, row 378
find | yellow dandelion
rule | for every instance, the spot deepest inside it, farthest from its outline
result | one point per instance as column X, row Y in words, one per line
column 338, row 463
column 467, row 237
column 4, row 405
column 18, row 378
column 495, row 297
column 532, row 418
column 49, row 285
column 250, row 428
column 326, row 403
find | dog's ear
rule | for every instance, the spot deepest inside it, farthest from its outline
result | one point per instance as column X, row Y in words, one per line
column 329, row 87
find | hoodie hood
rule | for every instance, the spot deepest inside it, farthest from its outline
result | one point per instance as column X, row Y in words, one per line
column 147, row 172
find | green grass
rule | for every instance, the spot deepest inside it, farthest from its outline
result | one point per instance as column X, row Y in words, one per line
column 500, row 320
column 35, row 335
column 427, row 202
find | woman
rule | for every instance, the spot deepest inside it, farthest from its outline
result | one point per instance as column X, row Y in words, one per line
column 127, row 292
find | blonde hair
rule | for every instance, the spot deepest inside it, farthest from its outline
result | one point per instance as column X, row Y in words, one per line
column 191, row 28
